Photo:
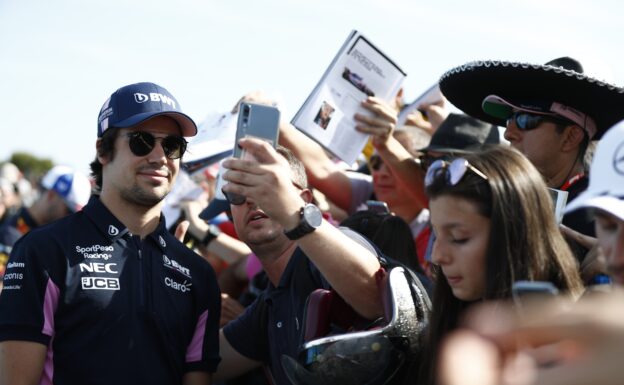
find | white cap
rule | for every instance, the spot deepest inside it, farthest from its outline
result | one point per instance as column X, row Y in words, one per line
column 606, row 177
column 72, row 186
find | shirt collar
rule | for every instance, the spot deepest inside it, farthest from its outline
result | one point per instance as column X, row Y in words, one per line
column 110, row 226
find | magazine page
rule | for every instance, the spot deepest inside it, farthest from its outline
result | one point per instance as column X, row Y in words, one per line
column 212, row 143
column 560, row 199
column 431, row 96
column 358, row 71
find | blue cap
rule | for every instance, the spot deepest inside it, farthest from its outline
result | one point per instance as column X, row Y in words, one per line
column 135, row 103
column 215, row 207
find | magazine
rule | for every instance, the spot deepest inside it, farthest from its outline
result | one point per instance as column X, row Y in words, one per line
column 431, row 96
column 559, row 198
column 358, row 70
column 212, row 143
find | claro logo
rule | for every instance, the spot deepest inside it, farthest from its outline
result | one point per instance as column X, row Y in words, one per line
column 181, row 287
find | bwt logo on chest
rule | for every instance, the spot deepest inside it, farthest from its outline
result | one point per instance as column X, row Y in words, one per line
column 154, row 97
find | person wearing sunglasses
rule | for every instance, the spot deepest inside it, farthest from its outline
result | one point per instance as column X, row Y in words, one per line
column 553, row 114
column 108, row 292
column 494, row 224
column 299, row 251
column 350, row 190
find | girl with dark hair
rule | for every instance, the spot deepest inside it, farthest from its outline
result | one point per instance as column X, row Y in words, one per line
column 495, row 224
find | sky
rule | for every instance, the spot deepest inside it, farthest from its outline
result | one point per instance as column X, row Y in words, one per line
column 61, row 59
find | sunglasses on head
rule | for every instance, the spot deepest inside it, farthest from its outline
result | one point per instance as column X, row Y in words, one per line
column 237, row 199
column 142, row 143
column 526, row 121
column 453, row 171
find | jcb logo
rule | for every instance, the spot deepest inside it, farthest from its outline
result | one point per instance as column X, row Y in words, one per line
column 99, row 283
column 98, row 267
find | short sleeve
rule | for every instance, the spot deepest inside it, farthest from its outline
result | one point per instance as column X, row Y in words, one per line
column 202, row 353
column 248, row 334
column 31, row 292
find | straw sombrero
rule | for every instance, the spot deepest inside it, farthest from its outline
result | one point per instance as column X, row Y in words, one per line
column 532, row 87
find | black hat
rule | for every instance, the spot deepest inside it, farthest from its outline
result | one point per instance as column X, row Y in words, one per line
column 558, row 87
column 461, row 133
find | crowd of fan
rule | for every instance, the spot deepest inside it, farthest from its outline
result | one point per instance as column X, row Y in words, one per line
column 462, row 209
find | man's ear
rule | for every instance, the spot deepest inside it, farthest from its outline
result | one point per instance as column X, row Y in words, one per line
column 307, row 196
column 102, row 158
column 573, row 136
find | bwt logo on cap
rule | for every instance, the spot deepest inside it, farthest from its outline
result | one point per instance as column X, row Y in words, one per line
column 135, row 103
column 154, row 97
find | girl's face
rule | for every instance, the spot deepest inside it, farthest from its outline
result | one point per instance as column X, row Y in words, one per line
column 610, row 233
column 460, row 247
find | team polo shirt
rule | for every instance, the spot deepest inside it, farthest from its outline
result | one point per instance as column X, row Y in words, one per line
column 111, row 308
column 273, row 324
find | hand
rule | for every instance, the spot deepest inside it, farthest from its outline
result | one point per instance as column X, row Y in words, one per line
column 594, row 262
column 180, row 231
column 436, row 114
column 192, row 209
column 553, row 342
column 266, row 180
column 381, row 125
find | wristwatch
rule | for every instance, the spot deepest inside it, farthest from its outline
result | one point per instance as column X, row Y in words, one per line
column 212, row 234
column 310, row 219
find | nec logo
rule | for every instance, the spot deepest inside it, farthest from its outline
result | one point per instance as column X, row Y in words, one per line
column 99, row 283
column 154, row 97
column 98, row 267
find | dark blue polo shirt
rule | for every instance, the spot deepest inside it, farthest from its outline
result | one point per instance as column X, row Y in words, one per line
column 112, row 308
column 273, row 324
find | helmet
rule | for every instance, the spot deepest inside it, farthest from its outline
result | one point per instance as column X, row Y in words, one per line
column 368, row 357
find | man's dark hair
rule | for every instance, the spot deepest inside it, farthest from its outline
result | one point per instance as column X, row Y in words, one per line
column 106, row 147
column 298, row 170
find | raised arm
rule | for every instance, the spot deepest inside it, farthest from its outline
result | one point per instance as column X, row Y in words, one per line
column 323, row 173
column 233, row 364
column 403, row 165
column 348, row 266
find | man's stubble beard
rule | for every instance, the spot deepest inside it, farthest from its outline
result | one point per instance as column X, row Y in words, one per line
column 140, row 197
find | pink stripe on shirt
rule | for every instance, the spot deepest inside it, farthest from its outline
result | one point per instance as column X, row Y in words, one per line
column 50, row 303
column 194, row 350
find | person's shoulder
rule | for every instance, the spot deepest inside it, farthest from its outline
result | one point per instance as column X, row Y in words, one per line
column 9, row 234
column 60, row 227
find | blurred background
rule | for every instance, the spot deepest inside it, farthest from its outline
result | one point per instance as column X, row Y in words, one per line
column 60, row 60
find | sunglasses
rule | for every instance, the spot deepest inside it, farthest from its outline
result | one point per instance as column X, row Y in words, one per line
column 454, row 171
column 375, row 162
column 237, row 199
column 142, row 143
column 526, row 121
column 425, row 161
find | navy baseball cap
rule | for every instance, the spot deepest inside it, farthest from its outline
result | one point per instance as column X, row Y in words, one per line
column 135, row 103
